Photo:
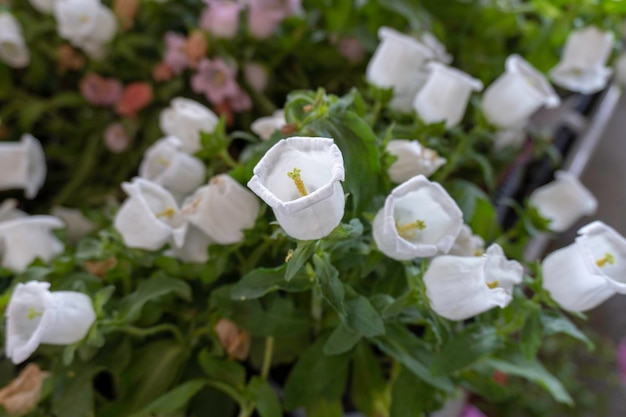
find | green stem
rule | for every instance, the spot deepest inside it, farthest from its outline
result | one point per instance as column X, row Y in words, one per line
column 267, row 356
column 144, row 332
column 246, row 410
column 316, row 307
column 225, row 156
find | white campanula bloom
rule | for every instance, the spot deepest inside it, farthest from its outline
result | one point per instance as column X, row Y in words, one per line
column 518, row 93
column 584, row 274
column 149, row 217
column 582, row 65
column 563, row 201
column 13, row 49
column 185, row 119
column 77, row 225
column 438, row 49
column 445, row 95
column 399, row 63
column 299, row 178
column 26, row 238
column 412, row 159
column 37, row 316
column 467, row 243
column 265, row 127
column 222, row 210
column 44, row 6
column 419, row 220
column 195, row 248
column 460, row 287
column 168, row 165
column 22, row 165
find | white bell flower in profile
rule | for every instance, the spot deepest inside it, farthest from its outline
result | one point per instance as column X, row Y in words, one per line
column 563, row 201
column 412, row 159
column 264, row 127
column 445, row 95
column 467, row 243
column 37, row 316
column 24, row 239
column 461, row 287
column 22, row 165
column 399, row 63
column 586, row 273
column 518, row 93
column 13, row 49
column 222, row 210
column 195, row 248
column 299, row 178
column 582, row 65
column 185, row 119
column 166, row 164
column 149, row 217
column 419, row 220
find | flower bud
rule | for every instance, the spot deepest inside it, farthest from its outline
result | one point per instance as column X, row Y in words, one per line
column 185, row 119
column 412, row 159
column 24, row 239
column 13, row 49
column 22, row 165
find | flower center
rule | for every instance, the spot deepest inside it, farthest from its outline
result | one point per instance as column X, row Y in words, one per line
column 408, row 230
column 83, row 18
column 217, row 77
column 297, row 180
column 608, row 259
column 169, row 213
column 10, row 48
column 492, row 284
column 32, row 313
column 162, row 161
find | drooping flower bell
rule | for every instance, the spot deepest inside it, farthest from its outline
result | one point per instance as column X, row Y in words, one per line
column 445, row 95
column 582, row 65
column 37, row 316
column 467, row 243
column 563, row 201
column 518, row 93
column 584, row 274
column 264, row 127
column 22, row 165
column 195, row 248
column 299, row 178
column 185, row 119
column 419, row 220
column 13, row 49
column 412, row 159
column 461, row 287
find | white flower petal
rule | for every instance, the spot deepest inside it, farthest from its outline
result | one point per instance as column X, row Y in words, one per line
column 467, row 243
column 265, row 127
column 195, row 248
column 185, row 119
column 412, row 159
column 22, row 165
column 77, row 225
column 13, row 49
column 25, row 239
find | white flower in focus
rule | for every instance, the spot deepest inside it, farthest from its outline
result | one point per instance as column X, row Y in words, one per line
column 195, row 248
column 44, row 6
column 399, row 63
column 518, row 93
column 412, row 159
column 78, row 226
column 185, row 119
column 461, row 287
column 13, row 49
column 37, row 316
column 87, row 24
column 563, row 201
column 445, row 95
column 166, row 164
column 586, row 273
column 22, row 165
column 299, row 178
column 467, row 243
column 419, row 220
column 149, row 217
column 222, row 210
column 24, row 239
column 581, row 68
column 264, row 127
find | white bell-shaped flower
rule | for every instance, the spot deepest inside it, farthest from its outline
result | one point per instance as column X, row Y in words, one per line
column 9, row 210
column 37, row 316
column 582, row 65
column 518, row 93
column 22, row 165
column 77, row 225
column 264, row 127
column 412, row 159
column 195, row 248
column 460, row 287
column 149, row 217
column 399, row 63
column 13, row 49
column 467, row 243
column 445, row 95
column 563, row 201
column 222, row 210
column 589, row 271
column 419, row 220
column 168, row 165
column 185, row 119
column 299, row 178
column 24, row 239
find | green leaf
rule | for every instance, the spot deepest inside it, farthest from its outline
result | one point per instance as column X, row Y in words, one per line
column 341, row 340
column 329, row 282
column 151, row 289
column 300, row 256
column 368, row 387
column 411, row 396
column 73, row 394
column 89, row 248
column 464, row 348
column 258, row 282
column 346, row 231
column 265, row 397
column 102, row 297
column 174, row 400
column 363, row 318
column 324, row 408
column 554, row 322
column 229, row 372
column 530, row 336
column 277, row 317
column 466, row 194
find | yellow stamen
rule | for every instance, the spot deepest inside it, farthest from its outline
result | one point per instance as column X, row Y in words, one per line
column 83, row 18
column 289, row 255
column 409, row 229
column 478, row 252
column 167, row 213
column 32, row 313
column 297, row 180
column 492, row 284
column 162, row 161
column 608, row 259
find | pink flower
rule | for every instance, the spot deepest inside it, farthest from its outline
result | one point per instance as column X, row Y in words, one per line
column 221, row 18
column 256, row 75
column 240, row 101
column 470, row 411
column 216, row 80
column 264, row 16
column 115, row 138
column 352, row 49
column 100, row 91
column 136, row 96
column 175, row 56
column 621, row 360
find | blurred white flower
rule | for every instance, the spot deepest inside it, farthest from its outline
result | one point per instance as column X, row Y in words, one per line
column 584, row 274
column 9, row 210
column 299, row 178
column 13, row 49
column 620, row 70
column 24, row 239
column 445, row 95
column 264, row 127
column 412, row 159
column 513, row 138
column 37, row 316
column 22, row 165
column 195, row 248
column 467, row 243
column 582, row 65
column 438, row 49
column 460, row 287
column 563, row 201
column 419, row 220
column 44, row 6
column 78, row 226
column 518, row 93
column 185, row 119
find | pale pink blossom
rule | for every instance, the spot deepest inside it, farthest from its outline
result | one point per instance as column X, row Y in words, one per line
column 100, row 91
column 352, row 49
column 221, row 18
column 256, row 75
column 470, row 411
column 264, row 16
column 135, row 97
column 240, row 101
column 115, row 138
column 216, row 80
column 175, row 56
